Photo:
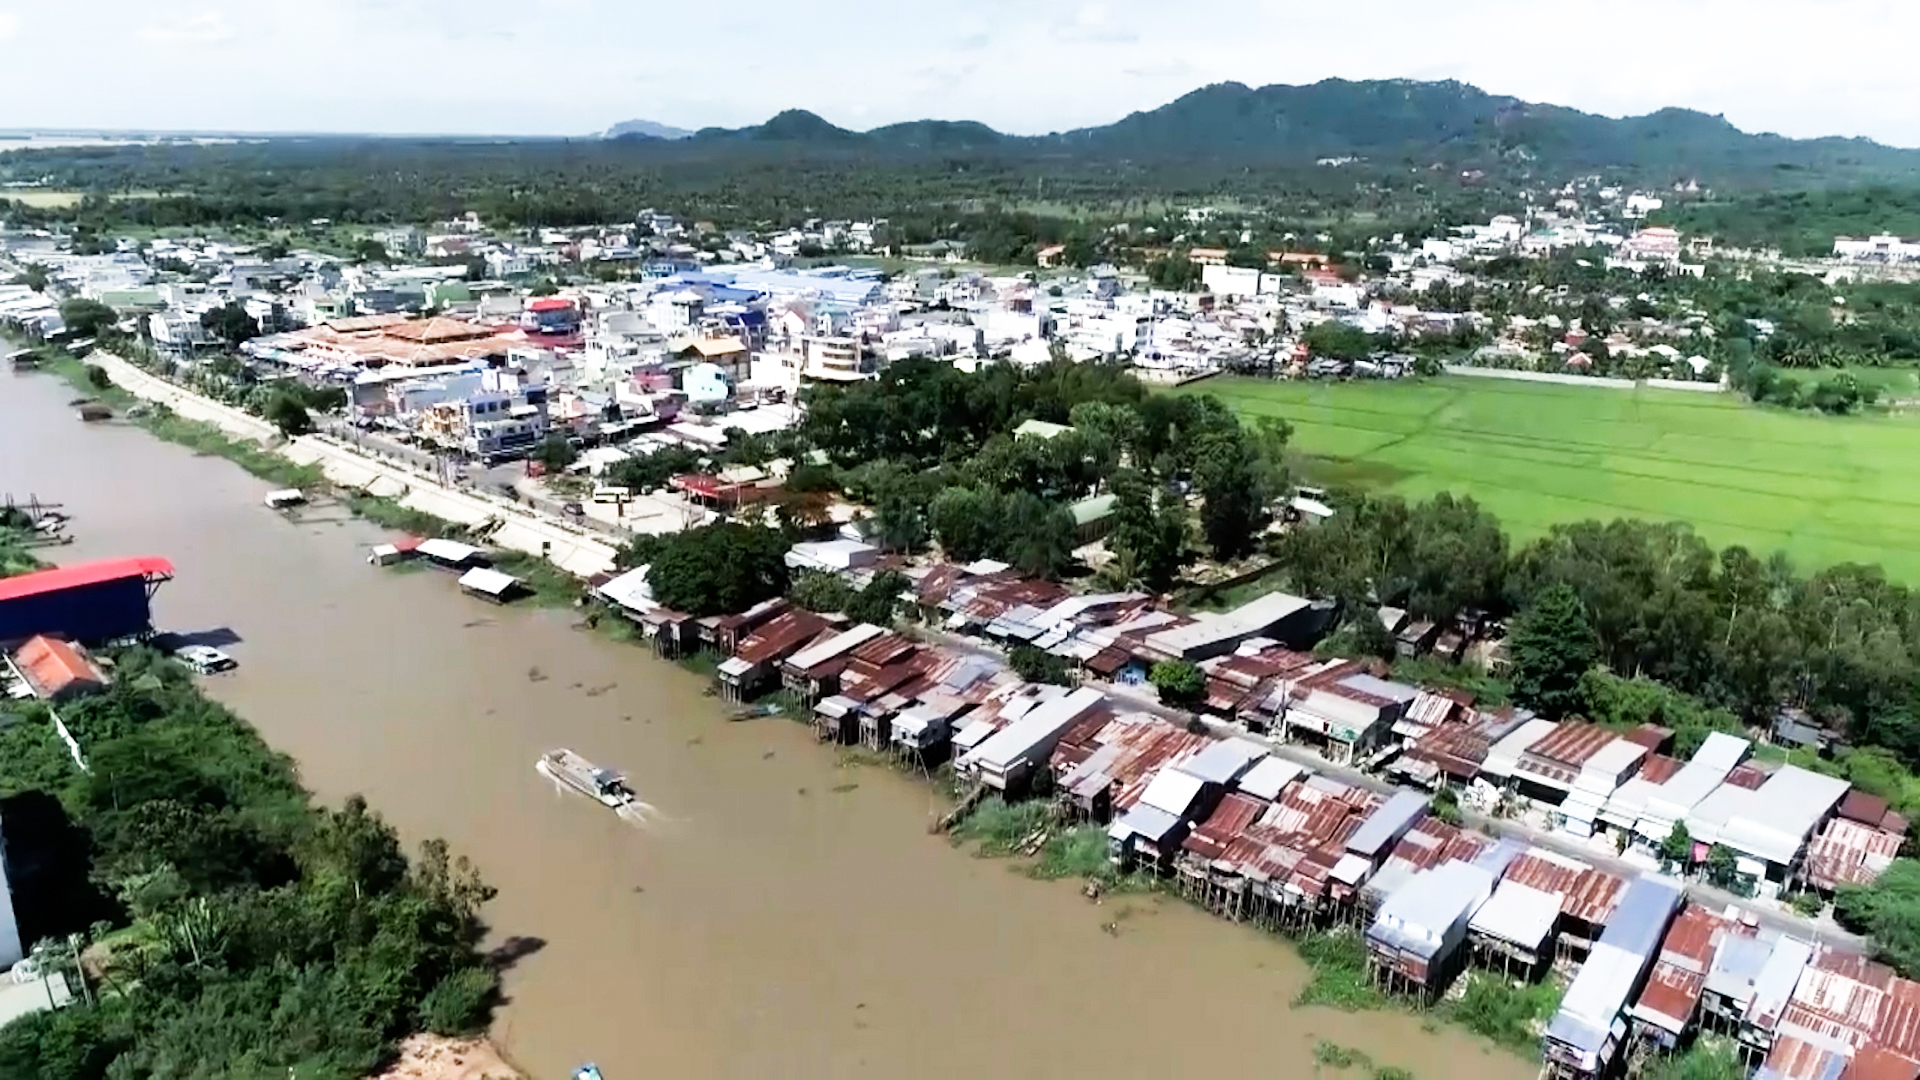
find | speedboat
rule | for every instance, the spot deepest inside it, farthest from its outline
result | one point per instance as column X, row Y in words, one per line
column 588, row 1072
column 569, row 769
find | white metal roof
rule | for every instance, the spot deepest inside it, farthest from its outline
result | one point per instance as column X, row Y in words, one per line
column 1255, row 616
column 1696, row 779
column 844, row 641
column 630, row 590
column 1269, row 776
column 449, row 550
column 491, row 582
column 1173, row 791
column 1518, row 913
column 1504, row 756
column 1771, row 822
column 1224, row 761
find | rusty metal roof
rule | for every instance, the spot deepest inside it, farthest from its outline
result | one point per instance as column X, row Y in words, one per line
column 1878, row 1063
column 1122, row 753
column 1694, row 935
column 1659, row 768
column 1454, row 749
column 1669, row 997
column 888, row 648
column 1794, row 1059
column 1210, row 838
column 1863, row 807
column 1837, row 1000
column 1746, row 776
column 1587, row 893
column 1565, row 749
column 781, row 636
column 1898, row 1027
column 1850, row 853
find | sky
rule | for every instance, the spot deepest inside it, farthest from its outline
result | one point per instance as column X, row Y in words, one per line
column 572, row 67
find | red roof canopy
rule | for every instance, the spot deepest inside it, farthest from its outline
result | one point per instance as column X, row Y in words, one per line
column 550, row 303
column 77, row 577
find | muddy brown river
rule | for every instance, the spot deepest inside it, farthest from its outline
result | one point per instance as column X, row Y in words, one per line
column 783, row 915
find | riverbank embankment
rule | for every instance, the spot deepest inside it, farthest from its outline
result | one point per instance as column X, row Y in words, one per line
column 507, row 524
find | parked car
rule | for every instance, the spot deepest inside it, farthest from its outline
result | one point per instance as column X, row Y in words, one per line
column 205, row 659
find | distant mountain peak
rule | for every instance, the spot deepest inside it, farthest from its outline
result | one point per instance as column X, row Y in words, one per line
column 647, row 129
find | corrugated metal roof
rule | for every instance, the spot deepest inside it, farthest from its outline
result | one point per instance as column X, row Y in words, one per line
column 1223, row 761
column 1518, row 913
column 1877, row 1063
column 1418, row 914
column 1773, row 989
column 1694, row 937
column 1898, row 1028
column 1558, row 757
column 1270, row 776
column 1388, row 824
column 1837, row 1000
column 1669, row 998
column 1587, row 893
column 1850, row 853
column 1793, row 1059
column 1235, row 813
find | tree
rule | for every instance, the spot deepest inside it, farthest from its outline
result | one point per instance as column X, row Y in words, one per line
column 1336, row 340
column 876, row 601
column 368, row 250
column 1233, row 494
column 1148, row 541
column 544, row 287
column 87, row 318
column 820, row 592
column 1039, row 666
column 966, row 521
column 1179, row 682
column 1037, row 535
column 555, row 453
column 230, row 323
column 1677, row 849
column 898, row 524
column 1445, row 807
column 1552, row 647
column 1723, row 869
column 719, row 569
column 284, row 411
column 1456, row 559
column 1888, row 910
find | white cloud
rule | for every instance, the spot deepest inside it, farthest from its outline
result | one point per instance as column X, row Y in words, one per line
column 201, row 28
column 9, row 25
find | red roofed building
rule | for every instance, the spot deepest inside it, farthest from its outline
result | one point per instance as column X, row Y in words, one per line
column 57, row 670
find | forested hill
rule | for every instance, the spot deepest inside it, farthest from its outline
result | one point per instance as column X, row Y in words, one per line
column 1388, row 122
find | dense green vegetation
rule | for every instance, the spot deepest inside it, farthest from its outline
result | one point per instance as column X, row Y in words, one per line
column 237, row 929
column 1802, row 223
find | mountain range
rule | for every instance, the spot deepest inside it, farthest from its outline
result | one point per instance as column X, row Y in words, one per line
column 1385, row 122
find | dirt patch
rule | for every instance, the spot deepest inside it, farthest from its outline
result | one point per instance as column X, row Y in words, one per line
column 433, row 1057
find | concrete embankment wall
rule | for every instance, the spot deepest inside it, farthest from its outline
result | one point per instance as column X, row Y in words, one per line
column 1582, row 380
column 515, row 527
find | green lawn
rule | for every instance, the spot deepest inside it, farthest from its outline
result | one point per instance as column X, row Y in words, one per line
column 1823, row 489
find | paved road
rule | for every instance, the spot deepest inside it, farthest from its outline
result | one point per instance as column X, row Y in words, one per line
column 1818, row 930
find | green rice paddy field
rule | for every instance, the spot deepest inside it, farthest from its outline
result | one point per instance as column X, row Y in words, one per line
column 1823, row 489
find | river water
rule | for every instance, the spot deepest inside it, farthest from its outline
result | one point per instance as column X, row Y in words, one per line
column 785, row 914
